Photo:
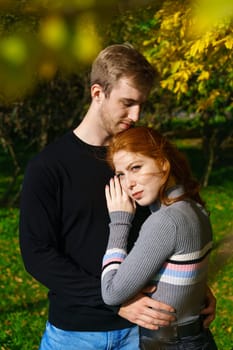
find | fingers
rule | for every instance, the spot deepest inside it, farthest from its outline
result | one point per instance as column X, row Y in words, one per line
column 149, row 289
column 112, row 192
column 210, row 309
column 150, row 319
column 207, row 320
column 159, row 306
column 158, row 318
column 117, row 185
column 114, row 188
column 139, row 311
column 209, row 313
column 117, row 199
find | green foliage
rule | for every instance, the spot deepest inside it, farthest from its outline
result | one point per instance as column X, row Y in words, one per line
column 194, row 61
column 28, row 126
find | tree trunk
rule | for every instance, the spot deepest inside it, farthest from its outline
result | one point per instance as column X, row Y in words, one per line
column 210, row 143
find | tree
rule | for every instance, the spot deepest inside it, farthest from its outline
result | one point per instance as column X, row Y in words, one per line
column 194, row 57
column 196, row 66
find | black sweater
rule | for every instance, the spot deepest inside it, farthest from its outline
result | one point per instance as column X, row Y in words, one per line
column 64, row 232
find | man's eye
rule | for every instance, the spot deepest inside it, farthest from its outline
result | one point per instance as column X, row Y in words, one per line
column 127, row 104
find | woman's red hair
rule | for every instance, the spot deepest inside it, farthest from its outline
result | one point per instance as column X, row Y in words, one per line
column 152, row 144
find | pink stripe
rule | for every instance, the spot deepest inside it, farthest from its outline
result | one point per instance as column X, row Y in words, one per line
column 112, row 260
column 188, row 267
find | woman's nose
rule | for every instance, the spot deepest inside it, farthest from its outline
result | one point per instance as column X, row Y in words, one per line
column 130, row 182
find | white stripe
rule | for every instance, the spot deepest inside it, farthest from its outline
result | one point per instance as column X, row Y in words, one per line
column 193, row 255
column 115, row 250
column 179, row 281
column 109, row 268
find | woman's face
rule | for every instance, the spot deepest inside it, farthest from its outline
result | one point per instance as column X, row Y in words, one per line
column 141, row 177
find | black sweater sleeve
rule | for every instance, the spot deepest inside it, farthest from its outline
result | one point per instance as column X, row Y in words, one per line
column 41, row 242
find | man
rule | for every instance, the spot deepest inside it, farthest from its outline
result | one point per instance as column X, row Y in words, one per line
column 64, row 218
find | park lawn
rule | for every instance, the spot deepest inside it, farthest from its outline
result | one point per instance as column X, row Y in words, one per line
column 220, row 203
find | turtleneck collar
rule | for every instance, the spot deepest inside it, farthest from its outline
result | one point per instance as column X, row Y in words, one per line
column 174, row 191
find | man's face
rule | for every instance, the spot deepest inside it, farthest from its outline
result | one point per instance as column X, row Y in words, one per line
column 121, row 109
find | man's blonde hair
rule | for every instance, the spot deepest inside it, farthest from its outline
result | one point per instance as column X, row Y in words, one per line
column 122, row 60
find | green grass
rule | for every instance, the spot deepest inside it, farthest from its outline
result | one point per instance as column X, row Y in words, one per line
column 219, row 199
column 23, row 301
column 220, row 204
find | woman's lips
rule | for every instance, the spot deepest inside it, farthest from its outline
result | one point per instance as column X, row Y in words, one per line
column 137, row 195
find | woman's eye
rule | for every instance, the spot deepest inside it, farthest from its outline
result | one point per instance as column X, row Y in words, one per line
column 119, row 175
column 136, row 167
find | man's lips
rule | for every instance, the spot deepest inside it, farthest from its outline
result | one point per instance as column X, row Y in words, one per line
column 127, row 125
column 137, row 195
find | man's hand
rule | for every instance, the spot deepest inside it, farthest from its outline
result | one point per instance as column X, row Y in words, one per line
column 147, row 312
column 210, row 309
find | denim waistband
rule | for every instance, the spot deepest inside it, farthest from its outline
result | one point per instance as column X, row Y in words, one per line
column 174, row 333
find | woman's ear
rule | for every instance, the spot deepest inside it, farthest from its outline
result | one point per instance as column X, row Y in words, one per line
column 165, row 165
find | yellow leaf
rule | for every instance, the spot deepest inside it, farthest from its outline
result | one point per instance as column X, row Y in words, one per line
column 180, row 87
column 229, row 42
column 198, row 46
column 168, row 83
column 203, row 76
column 175, row 66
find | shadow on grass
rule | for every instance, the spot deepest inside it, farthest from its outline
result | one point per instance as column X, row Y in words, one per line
column 222, row 253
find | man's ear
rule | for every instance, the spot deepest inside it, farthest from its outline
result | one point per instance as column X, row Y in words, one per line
column 97, row 92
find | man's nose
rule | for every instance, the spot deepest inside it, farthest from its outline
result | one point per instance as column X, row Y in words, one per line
column 134, row 113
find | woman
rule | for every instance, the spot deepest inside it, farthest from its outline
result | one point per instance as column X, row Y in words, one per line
column 174, row 243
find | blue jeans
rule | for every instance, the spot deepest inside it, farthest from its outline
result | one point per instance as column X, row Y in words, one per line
column 202, row 341
column 58, row 339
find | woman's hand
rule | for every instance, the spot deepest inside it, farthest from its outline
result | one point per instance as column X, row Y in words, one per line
column 117, row 198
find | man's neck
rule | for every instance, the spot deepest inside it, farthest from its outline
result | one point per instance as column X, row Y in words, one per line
column 90, row 132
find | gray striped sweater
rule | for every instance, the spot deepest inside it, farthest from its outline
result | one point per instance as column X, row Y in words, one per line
column 171, row 251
